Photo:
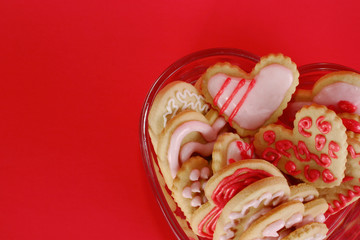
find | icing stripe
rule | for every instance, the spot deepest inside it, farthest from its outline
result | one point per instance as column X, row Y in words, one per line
column 228, row 101
column 238, row 106
column 222, row 89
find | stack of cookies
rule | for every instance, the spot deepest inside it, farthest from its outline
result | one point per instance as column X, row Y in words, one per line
column 237, row 172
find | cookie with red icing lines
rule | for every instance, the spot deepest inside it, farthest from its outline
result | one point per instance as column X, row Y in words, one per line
column 223, row 186
column 175, row 97
column 314, row 151
column 188, row 133
column 251, row 100
column 303, row 192
column 352, row 123
column 250, row 204
column 189, row 183
column 229, row 148
column 349, row 190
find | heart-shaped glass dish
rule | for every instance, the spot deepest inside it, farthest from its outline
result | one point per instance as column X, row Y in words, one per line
column 343, row 225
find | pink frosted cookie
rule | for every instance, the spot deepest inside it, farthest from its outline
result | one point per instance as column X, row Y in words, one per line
column 172, row 99
column 314, row 151
column 251, row 100
column 229, row 148
column 187, row 133
column 250, row 204
column 349, row 190
column 223, row 186
column 188, row 186
column 339, row 91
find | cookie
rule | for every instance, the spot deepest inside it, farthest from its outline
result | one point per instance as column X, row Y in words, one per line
column 349, row 191
column 251, row 100
column 314, row 211
column 249, row 204
column 352, row 123
column 172, row 99
column 273, row 222
column 189, row 183
column 303, row 192
column 188, row 132
column 339, row 91
column 224, row 185
column 314, row 151
column 229, row 148
column 312, row 231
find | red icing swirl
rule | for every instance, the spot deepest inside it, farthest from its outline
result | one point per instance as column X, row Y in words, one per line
column 352, row 152
column 311, row 174
column 271, row 155
column 236, row 182
column 344, row 200
column 320, row 141
column 351, row 125
column 323, row 126
column 269, row 136
column 333, row 147
column 346, row 106
column 290, row 167
column 327, row 176
column 305, row 123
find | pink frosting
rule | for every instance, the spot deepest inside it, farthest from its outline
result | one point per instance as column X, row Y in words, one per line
column 236, row 153
column 271, row 85
column 272, row 229
column 340, row 91
column 210, row 134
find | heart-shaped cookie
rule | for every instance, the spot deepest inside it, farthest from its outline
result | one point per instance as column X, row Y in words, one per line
column 249, row 101
column 223, row 186
column 314, row 151
column 229, row 148
column 349, row 190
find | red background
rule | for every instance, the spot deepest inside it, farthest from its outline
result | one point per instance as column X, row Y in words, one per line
column 73, row 78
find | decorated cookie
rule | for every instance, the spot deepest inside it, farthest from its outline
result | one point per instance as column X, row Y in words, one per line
column 172, row 99
column 352, row 123
column 223, row 186
column 349, row 190
column 250, row 204
column 251, row 100
column 229, row 148
column 314, row 212
column 187, row 133
column 303, row 192
column 275, row 222
column 312, row 231
column 314, row 151
column 339, row 91
column 189, row 183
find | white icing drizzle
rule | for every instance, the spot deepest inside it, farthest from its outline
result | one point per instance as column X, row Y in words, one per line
column 267, row 198
column 171, row 108
column 195, row 191
column 317, row 236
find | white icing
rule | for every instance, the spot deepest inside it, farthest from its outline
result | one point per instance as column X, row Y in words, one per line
column 195, row 187
column 196, row 201
column 271, row 85
column 187, row 192
column 309, row 198
column 194, row 175
column 205, row 173
column 266, row 198
column 185, row 99
column 339, row 91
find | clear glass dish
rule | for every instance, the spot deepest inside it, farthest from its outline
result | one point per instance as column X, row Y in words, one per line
column 344, row 225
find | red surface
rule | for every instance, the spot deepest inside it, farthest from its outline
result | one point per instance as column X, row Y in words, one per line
column 74, row 75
